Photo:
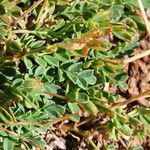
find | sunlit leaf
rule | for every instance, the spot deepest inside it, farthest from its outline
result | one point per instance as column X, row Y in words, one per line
column 8, row 144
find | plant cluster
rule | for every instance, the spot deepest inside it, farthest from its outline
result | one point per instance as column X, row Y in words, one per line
column 55, row 59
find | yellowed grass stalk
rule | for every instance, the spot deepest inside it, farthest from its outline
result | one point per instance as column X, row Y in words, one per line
column 147, row 23
column 137, row 56
column 132, row 99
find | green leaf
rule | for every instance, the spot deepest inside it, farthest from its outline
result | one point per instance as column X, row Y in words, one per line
column 125, row 34
column 85, row 73
column 60, row 24
column 83, row 97
column 119, row 48
column 60, row 75
column 2, row 133
column 126, row 130
column 39, row 71
column 8, row 144
column 145, row 120
column 55, row 111
column 88, row 76
column 133, row 113
column 51, row 87
column 104, row 109
column 134, row 121
column 90, row 80
column 9, row 71
column 98, row 63
column 82, row 83
column 73, row 107
column 2, row 79
column 31, row 82
column 105, row 2
column 114, row 135
column 109, row 70
column 75, row 118
column 101, row 79
column 37, row 44
column 6, row 113
column 2, row 9
column 51, row 60
column 62, row 56
column 5, row 116
column 102, row 16
column 144, row 111
column 38, row 141
column 72, row 77
column 27, row 62
column 122, row 118
column 2, row 31
column 90, row 106
column 87, row 64
column 72, row 91
column 76, row 67
column 30, row 104
column 65, row 65
column 41, row 62
column 146, row 3
column 123, row 85
column 116, row 122
column 118, row 11
column 121, row 76
column 15, row 47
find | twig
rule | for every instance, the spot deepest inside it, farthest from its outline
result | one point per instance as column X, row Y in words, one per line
column 31, row 8
column 132, row 99
column 20, row 137
column 144, row 16
column 136, row 57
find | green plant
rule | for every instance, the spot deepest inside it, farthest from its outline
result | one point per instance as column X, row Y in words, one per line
column 56, row 68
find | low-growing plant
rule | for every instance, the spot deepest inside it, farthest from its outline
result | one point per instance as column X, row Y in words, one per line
column 56, row 58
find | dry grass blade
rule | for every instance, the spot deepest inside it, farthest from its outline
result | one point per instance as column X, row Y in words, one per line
column 138, row 56
column 144, row 16
column 132, row 99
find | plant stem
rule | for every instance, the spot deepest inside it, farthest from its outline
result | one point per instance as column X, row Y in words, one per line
column 132, row 99
column 66, row 98
column 44, row 123
column 93, row 145
column 31, row 8
column 84, row 121
column 20, row 137
column 136, row 57
column 29, row 32
column 144, row 16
